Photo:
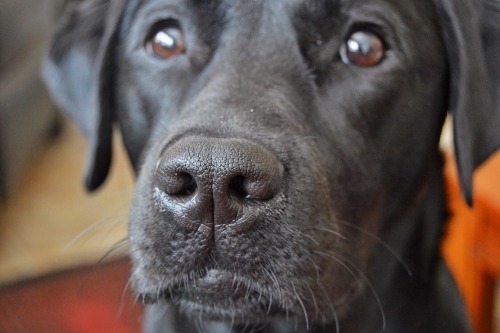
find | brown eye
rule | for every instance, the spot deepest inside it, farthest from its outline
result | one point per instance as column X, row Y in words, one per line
column 166, row 43
column 363, row 48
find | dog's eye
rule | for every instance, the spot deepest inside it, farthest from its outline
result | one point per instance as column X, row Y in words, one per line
column 363, row 48
column 166, row 42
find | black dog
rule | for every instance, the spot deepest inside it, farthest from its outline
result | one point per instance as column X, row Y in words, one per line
column 289, row 176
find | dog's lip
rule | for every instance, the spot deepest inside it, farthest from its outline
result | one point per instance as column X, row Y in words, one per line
column 219, row 294
column 215, row 286
column 215, row 279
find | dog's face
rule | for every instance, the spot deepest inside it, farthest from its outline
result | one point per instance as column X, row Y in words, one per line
column 269, row 138
column 273, row 141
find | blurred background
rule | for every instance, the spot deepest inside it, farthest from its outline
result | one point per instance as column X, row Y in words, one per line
column 63, row 265
column 47, row 220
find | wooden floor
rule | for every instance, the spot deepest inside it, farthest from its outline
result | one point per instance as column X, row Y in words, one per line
column 50, row 223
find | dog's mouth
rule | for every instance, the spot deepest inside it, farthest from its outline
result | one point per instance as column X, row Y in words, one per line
column 218, row 295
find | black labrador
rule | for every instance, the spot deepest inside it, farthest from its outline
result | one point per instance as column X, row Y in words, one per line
column 289, row 175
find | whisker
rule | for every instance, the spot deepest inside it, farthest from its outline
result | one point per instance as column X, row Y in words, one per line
column 104, row 221
column 130, row 284
column 299, row 299
column 343, row 264
column 311, row 238
column 384, row 244
column 94, row 267
column 199, row 324
column 273, row 277
column 336, row 233
column 316, row 267
column 125, row 289
column 338, row 258
column 233, row 320
column 270, row 303
column 120, row 245
column 332, row 308
column 314, row 301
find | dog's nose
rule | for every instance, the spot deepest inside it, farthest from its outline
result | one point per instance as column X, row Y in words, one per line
column 215, row 181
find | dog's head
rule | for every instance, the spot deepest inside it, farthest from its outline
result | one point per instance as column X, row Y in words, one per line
column 265, row 133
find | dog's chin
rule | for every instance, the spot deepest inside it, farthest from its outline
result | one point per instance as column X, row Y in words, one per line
column 234, row 310
column 222, row 296
column 218, row 296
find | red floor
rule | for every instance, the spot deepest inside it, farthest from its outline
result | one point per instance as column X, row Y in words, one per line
column 89, row 300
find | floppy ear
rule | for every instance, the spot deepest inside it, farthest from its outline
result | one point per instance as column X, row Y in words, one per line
column 78, row 72
column 471, row 31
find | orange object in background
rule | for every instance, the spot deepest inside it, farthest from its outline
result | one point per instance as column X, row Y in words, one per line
column 472, row 245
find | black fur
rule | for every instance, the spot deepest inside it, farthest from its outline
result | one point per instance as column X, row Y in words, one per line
column 318, row 202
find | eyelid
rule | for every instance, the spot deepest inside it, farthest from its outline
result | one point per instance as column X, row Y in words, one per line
column 376, row 19
column 376, row 29
column 157, row 26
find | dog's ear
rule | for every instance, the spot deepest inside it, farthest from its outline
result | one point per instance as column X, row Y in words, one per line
column 78, row 71
column 471, row 30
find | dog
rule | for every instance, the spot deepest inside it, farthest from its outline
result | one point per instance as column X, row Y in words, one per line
column 289, row 177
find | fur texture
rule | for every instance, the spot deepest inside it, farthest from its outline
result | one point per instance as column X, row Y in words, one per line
column 281, row 189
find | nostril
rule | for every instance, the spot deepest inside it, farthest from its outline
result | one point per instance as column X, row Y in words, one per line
column 187, row 184
column 178, row 184
column 261, row 188
column 238, row 187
